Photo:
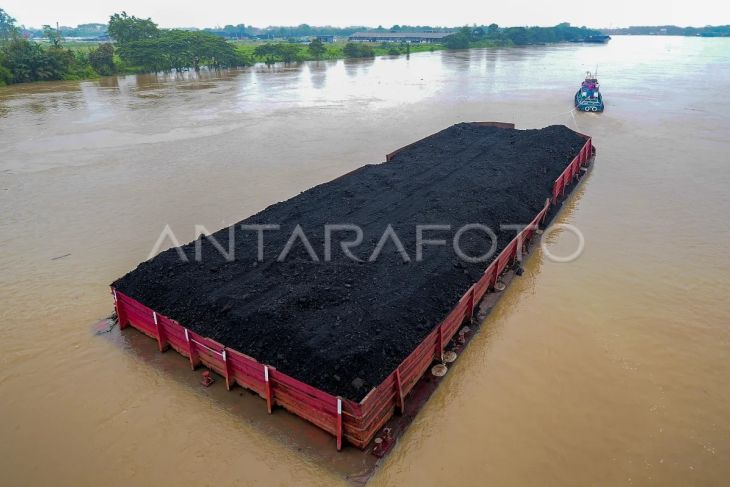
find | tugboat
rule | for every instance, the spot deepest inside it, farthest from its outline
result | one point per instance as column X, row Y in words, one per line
column 588, row 98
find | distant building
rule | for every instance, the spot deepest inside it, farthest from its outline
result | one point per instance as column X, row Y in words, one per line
column 412, row 37
column 325, row 38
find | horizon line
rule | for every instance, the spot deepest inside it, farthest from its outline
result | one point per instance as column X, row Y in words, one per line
column 273, row 26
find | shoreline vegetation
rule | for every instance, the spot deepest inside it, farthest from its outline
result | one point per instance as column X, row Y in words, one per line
column 131, row 45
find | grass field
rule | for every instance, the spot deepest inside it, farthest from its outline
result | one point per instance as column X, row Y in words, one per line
column 334, row 50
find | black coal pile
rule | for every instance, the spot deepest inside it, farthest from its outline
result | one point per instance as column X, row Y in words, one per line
column 343, row 322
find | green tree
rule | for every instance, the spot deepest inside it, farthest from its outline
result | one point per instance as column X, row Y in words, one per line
column 124, row 28
column 358, row 49
column 52, row 35
column 518, row 35
column 460, row 39
column 289, row 52
column 316, row 48
column 492, row 31
column 6, row 76
column 7, row 27
column 28, row 61
column 76, row 63
column 102, row 59
column 266, row 52
column 179, row 50
column 272, row 52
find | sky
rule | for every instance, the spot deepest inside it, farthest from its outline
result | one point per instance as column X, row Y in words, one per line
column 173, row 13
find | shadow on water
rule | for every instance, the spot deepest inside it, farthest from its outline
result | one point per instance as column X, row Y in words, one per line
column 458, row 60
column 278, row 67
column 355, row 67
column 318, row 73
column 108, row 82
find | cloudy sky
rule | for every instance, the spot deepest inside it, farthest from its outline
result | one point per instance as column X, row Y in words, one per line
column 174, row 13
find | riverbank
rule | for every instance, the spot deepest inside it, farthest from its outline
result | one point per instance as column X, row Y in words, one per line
column 298, row 53
column 138, row 45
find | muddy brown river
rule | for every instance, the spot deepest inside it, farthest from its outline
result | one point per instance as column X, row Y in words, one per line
column 613, row 369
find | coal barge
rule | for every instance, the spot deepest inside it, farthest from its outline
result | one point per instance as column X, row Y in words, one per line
column 344, row 343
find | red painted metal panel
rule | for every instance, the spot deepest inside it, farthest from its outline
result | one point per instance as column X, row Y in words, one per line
column 573, row 169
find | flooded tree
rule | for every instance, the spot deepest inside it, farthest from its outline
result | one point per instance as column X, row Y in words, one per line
column 358, row 49
column 102, row 59
column 124, row 28
column 316, row 48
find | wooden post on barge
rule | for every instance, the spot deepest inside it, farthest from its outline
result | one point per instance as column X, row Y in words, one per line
column 226, row 369
column 192, row 354
column 545, row 212
column 470, row 305
column 267, row 384
column 161, row 336
column 399, row 401
column 121, row 312
column 339, row 424
column 524, row 242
